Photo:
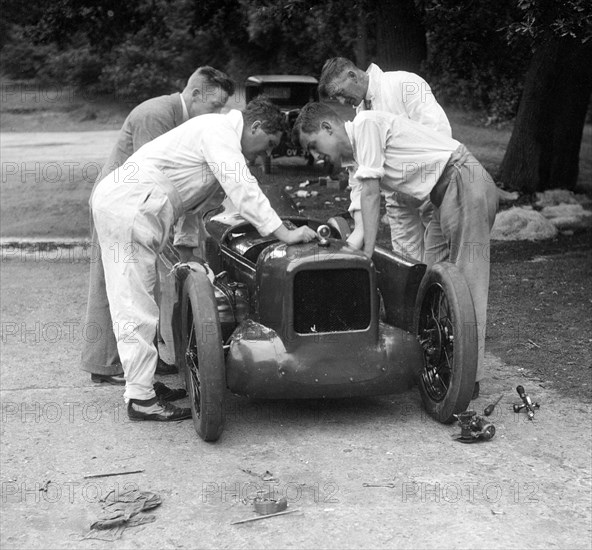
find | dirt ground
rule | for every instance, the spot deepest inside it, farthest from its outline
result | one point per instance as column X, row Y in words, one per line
column 527, row 484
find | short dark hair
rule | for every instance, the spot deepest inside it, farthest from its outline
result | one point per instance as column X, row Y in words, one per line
column 332, row 69
column 260, row 108
column 214, row 77
column 310, row 118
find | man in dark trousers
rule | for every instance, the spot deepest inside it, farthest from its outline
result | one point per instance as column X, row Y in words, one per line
column 207, row 91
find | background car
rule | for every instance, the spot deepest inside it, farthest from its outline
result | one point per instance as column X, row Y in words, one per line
column 290, row 93
column 318, row 320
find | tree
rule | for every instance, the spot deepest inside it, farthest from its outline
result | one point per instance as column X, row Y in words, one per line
column 400, row 35
column 470, row 62
column 544, row 148
column 301, row 34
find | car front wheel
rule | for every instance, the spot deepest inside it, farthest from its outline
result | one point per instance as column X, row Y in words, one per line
column 446, row 328
column 204, row 364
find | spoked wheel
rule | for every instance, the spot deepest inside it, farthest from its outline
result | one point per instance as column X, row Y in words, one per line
column 447, row 331
column 205, row 376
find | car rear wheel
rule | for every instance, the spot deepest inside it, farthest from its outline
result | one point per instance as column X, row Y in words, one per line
column 205, row 375
column 446, row 328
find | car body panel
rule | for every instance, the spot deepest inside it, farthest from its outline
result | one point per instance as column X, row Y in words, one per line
column 261, row 364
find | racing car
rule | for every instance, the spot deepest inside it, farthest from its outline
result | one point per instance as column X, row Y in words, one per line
column 264, row 319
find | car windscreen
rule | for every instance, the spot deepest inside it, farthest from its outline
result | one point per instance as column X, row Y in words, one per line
column 285, row 95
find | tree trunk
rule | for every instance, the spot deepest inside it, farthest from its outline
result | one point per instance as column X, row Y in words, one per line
column 400, row 36
column 361, row 43
column 544, row 150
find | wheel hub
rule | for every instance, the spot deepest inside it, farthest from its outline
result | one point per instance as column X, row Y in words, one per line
column 436, row 339
column 432, row 341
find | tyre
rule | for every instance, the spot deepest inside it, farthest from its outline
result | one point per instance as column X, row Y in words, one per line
column 178, row 334
column 205, row 375
column 446, row 328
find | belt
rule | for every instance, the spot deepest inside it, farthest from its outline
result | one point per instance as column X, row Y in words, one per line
column 456, row 160
column 154, row 175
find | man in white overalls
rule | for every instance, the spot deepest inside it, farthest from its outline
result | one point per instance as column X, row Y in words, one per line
column 172, row 175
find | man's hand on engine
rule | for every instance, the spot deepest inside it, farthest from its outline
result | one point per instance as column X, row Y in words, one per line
column 292, row 236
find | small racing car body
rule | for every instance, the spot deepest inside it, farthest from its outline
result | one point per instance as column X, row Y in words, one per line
column 319, row 320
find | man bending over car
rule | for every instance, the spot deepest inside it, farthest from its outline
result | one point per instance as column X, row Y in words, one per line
column 394, row 153
column 170, row 176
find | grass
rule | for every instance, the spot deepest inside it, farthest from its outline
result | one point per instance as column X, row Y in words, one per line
column 30, row 107
column 32, row 207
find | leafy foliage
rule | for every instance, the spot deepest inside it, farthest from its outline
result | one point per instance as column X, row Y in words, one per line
column 472, row 64
column 542, row 19
column 22, row 59
column 139, row 48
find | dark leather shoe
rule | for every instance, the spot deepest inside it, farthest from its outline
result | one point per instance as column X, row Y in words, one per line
column 155, row 409
column 475, row 391
column 168, row 394
column 115, row 379
column 163, row 368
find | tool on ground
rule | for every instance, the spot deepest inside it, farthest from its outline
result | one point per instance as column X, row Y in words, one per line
column 527, row 402
column 474, row 428
column 267, row 505
column 114, row 474
column 518, row 408
column 489, row 409
column 257, row 518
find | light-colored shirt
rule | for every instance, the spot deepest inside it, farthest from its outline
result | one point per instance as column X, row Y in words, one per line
column 189, row 229
column 403, row 93
column 399, row 93
column 406, row 156
column 199, row 154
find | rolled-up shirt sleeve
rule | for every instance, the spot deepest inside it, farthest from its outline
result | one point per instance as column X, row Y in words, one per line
column 355, row 195
column 222, row 151
column 370, row 140
column 188, row 230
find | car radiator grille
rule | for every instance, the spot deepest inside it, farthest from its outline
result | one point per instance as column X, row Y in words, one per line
column 332, row 300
